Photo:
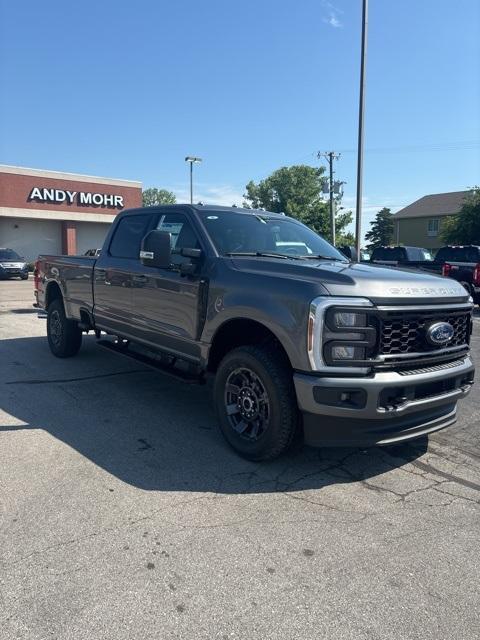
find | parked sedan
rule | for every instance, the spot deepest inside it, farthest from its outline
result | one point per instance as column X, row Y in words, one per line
column 12, row 265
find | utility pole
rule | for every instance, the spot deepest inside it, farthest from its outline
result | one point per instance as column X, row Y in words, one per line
column 361, row 106
column 330, row 156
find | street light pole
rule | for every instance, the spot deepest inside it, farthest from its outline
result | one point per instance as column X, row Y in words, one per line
column 358, row 221
column 192, row 160
column 191, row 182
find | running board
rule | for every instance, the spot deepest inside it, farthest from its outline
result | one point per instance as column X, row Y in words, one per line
column 160, row 362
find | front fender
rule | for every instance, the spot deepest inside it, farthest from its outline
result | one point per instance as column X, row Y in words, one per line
column 286, row 320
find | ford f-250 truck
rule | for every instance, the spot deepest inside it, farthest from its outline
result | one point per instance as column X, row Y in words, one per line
column 298, row 341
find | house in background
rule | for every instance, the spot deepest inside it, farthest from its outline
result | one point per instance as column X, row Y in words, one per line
column 420, row 223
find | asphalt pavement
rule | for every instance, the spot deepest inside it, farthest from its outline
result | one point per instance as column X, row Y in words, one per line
column 124, row 515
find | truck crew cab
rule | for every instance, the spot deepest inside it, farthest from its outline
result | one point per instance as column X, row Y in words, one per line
column 347, row 354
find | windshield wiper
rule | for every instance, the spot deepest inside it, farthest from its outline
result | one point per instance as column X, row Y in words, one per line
column 320, row 257
column 263, row 254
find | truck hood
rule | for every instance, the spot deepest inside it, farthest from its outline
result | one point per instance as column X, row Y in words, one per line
column 380, row 284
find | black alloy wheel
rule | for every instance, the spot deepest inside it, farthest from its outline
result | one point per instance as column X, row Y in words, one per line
column 247, row 404
column 255, row 401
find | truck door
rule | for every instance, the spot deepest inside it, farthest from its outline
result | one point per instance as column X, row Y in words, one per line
column 166, row 302
column 113, row 275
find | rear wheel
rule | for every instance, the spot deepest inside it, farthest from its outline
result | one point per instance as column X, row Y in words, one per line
column 255, row 402
column 64, row 336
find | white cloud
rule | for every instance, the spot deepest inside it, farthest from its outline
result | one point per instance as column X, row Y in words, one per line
column 220, row 195
column 333, row 21
column 332, row 17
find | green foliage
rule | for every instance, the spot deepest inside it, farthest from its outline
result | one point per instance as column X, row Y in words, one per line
column 381, row 233
column 297, row 192
column 464, row 228
column 153, row 197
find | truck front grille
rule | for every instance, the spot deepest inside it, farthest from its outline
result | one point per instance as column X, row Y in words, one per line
column 405, row 332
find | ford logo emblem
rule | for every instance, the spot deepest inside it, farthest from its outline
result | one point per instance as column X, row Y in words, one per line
column 440, row 333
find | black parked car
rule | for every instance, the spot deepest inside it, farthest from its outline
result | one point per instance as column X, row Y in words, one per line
column 12, row 265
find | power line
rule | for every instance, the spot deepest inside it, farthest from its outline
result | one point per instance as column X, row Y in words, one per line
column 449, row 146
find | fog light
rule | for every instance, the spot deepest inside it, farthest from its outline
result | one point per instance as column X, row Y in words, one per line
column 343, row 352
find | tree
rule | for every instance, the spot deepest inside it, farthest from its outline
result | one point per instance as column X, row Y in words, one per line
column 153, row 197
column 381, row 233
column 464, row 228
column 297, row 192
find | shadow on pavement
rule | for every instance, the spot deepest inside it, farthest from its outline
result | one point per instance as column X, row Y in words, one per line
column 155, row 433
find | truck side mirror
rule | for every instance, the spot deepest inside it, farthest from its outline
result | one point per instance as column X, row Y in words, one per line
column 156, row 249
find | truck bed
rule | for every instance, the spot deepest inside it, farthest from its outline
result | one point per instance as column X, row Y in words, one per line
column 74, row 275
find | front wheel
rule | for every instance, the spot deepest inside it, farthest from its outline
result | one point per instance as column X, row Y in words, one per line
column 255, row 402
column 64, row 336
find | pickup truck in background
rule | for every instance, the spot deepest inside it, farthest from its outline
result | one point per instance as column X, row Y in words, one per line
column 296, row 337
column 462, row 263
column 412, row 257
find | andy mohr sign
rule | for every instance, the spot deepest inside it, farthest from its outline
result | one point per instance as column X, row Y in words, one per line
column 81, row 198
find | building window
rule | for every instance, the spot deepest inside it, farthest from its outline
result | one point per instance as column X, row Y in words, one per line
column 433, row 227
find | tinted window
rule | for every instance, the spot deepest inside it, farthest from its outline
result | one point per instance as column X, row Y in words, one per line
column 181, row 232
column 393, row 254
column 457, row 254
column 248, row 233
column 415, row 253
column 8, row 254
column 128, row 236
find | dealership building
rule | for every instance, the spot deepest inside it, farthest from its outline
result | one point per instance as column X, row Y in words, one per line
column 59, row 213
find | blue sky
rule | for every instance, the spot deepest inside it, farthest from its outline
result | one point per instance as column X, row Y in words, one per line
column 127, row 89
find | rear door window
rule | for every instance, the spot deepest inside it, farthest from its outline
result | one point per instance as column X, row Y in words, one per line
column 128, row 236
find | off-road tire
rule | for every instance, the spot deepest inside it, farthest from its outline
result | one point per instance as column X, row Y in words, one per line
column 64, row 336
column 273, row 371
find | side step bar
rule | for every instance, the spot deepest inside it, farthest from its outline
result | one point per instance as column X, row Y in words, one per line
column 172, row 366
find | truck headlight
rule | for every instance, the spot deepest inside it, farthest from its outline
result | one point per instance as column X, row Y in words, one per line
column 349, row 319
column 339, row 335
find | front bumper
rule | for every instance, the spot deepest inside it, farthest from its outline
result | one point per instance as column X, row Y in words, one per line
column 13, row 272
column 383, row 408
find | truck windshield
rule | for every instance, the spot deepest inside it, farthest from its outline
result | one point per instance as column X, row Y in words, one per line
column 258, row 233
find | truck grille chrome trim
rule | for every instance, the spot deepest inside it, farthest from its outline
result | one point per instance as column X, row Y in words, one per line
column 438, row 367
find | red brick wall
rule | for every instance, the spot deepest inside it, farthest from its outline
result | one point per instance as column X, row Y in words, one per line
column 69, row 238
column 15, row 190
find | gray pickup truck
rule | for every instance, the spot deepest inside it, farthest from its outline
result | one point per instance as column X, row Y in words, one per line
column 299, row 340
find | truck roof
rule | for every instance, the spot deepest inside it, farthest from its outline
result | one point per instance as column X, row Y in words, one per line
column 203, row 207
